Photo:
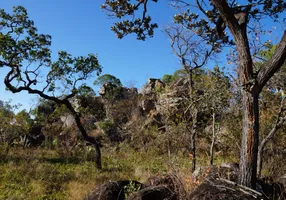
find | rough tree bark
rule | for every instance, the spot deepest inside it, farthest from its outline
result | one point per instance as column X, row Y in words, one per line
column 251, row 88
column 193, row 138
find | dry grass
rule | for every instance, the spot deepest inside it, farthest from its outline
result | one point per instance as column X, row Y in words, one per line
column 46, row 174
column 76, row 190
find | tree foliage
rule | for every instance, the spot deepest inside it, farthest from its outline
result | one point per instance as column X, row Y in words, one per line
column 107, row 78
column 220, row 23
column 142, row 26
column 27, row 56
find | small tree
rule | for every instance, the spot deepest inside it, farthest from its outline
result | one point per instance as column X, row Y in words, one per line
column 27, row 56
column 7, row 118
column 192, row 56
column 218, row 91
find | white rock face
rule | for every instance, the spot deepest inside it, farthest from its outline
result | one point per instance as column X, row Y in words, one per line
column 151, row 85
column 67, row 120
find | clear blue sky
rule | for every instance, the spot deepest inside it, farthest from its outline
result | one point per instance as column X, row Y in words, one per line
column 81, row 27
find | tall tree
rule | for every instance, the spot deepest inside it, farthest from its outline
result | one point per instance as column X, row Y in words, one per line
column 27, row 56
column 209, row 19
column 192, row 56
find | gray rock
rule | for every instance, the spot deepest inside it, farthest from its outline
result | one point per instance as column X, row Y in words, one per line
column 152, row 85
column 113, row 190
column 160, row 192
column 67, row 120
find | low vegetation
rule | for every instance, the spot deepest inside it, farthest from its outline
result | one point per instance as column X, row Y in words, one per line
column 201, row 115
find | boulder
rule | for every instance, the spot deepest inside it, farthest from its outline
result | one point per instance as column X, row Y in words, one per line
column 221, row 183
column 158, row 188
column 223, row 189
column 160, row 192
column 113, row 190
column 67, row 120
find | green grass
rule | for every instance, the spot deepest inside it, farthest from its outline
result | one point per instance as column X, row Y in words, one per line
column 53, row 174
column 46, row 174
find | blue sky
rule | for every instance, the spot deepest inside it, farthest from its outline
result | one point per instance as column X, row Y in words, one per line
column 81, row 27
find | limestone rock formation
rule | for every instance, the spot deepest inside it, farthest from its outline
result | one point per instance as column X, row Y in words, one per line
column 152, row 85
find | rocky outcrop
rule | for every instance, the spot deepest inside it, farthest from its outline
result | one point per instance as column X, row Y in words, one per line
column 129, row 93
column 122, row 92
column 67, row 120
column 104, row 89
column 147, row 105
column 170, row 102
column 151, row 86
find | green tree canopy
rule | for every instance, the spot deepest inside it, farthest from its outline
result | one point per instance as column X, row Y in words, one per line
column 107, row 78
column 26, row 54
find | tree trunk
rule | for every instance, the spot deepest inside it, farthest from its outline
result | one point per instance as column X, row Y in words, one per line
column 85, row 136
column 98, row 157
column 213, row 141
column 193, row 139
column 250, row 138
column 259, row 161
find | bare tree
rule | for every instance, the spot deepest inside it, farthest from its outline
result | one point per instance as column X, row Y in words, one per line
column 192, row 57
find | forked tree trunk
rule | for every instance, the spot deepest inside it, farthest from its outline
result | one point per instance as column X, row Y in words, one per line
column 252, row 84
column 250, row 138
